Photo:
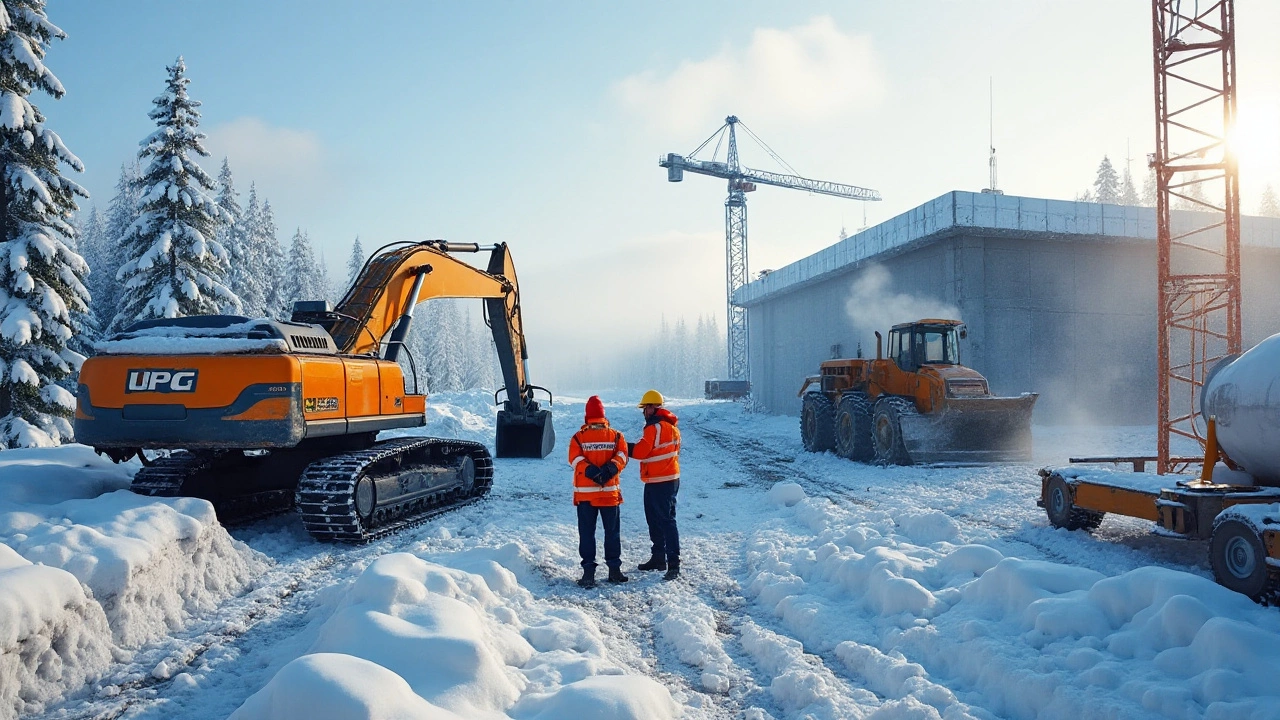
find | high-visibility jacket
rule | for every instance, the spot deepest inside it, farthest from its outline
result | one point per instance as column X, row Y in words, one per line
column 597, row 443
column 658, row 451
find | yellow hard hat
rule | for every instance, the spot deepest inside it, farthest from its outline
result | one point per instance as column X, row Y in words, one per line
column 653, row 397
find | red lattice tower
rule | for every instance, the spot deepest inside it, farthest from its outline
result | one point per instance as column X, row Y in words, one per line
column 1199, row 255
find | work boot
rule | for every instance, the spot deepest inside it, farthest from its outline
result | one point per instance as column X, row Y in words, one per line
column 673, row 570
column 616, row 576
column 588, row 579
column 654, row 563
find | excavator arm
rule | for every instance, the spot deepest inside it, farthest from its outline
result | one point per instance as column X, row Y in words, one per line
column 375, row 315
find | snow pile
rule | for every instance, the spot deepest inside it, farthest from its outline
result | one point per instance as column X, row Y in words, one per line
column 785, row 493
column 468, row 415
column 185, row 340
column 150, row 562
column 52, row 635
column 1021, row 638
column 413, row 638
column 690, row 627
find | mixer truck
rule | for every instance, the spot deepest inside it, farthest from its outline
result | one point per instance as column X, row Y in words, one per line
column 1234, row 502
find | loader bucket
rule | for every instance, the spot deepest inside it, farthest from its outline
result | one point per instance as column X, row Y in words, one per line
column 528, row 435
column 972, row 430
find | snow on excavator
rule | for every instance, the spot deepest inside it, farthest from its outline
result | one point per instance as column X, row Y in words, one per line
column 263, row 414
column 919, row 405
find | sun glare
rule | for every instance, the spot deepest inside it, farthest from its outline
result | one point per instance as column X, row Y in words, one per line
column 1256, row 141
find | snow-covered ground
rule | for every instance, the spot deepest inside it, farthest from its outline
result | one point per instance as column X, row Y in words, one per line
column 813, row 587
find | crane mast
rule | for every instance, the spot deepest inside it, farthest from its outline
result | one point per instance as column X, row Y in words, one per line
column 742, row 180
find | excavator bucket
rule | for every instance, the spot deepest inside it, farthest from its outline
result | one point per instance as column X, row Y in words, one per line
column 529, row 435
column 972, row 430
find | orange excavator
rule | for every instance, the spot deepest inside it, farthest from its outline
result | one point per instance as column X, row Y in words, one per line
column 261, row 415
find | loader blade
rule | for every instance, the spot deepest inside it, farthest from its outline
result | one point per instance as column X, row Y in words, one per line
column 972, row 430
column 524, row 436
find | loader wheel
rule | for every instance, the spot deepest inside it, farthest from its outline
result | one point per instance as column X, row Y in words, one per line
column 886, row 431
column 1062, row 511
column 817, row 423
column 1238, row 558
column 853, row 428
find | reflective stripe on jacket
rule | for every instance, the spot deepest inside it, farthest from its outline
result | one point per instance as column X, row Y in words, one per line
column 597, row 444
column 658, row 451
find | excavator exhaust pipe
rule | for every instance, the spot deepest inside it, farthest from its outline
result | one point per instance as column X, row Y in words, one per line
column 529, row 435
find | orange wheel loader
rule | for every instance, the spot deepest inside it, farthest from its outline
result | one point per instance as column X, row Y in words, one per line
column 262, row 415
column 918, row 405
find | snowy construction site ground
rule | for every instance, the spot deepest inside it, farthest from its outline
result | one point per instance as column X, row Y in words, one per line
column 813, row 587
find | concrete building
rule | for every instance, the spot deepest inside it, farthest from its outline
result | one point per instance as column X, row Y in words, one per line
column 1059, row 298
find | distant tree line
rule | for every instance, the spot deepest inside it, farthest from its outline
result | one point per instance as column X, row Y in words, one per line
column 1112, row 188
column 675, row 359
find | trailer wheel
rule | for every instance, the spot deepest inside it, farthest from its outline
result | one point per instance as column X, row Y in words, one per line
column 1238, row 558
column 853, row 428
column 817, row 423
column 1062, row 511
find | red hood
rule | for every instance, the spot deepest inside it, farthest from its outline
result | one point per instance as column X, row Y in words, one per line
column 665, row 414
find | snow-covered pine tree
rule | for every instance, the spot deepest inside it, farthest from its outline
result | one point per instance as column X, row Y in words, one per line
column 176, row 265
column 91, row 244
column 1128, row 191
column 243, row 276
column 324, row 281
column 302, row 273
column 1106, row 186
column 277, row 302
column 41, row 276
column 253, row 286
column 354, row 263
column 479, row 369
column 1270, row 204
column 121, row 213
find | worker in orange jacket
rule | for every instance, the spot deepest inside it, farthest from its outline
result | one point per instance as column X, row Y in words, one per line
column 598, row 453
column 658, row 453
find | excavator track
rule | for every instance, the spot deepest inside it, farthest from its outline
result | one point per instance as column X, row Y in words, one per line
column 183, row 474
column 327, row 494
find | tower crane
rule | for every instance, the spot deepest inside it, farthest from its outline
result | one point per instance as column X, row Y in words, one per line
column 743, row 180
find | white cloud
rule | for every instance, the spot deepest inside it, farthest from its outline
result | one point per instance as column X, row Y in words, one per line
column 805, row 75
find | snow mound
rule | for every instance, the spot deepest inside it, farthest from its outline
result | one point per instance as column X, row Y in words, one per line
column 690, row 627
column 414, row 638
column 785, row 493
column 52, row 635
column 1023, row 638
column 608, row 697
column 150, row 563
column 338, row 687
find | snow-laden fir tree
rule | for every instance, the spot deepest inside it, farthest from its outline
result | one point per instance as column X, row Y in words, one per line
column 354, row 263
column 176, row 265
column 1106, row 186
column 277, row 303
column 1270, row 204
column 1128, row 191
column 253, row 286
column 121, row 213
column 324, row 281
column 41, row 276
column 243, row 276
column 92, row 245
column 302, row 273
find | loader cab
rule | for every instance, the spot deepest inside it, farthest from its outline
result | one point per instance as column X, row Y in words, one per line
column 927, row 342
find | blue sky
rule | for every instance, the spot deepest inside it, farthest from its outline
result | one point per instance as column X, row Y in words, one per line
column 541, row 123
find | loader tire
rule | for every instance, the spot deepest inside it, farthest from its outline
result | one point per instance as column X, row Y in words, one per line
column 853, row 428
column 1062, row 510
column 886, row 430
column 1239, row 559
column 817, row 423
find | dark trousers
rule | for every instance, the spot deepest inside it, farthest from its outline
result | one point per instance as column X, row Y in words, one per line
column 660, row 513
column 587, row 535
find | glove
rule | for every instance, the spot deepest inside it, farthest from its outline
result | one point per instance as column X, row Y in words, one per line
column 609, row 470
column 592, row 472
column 631, row 447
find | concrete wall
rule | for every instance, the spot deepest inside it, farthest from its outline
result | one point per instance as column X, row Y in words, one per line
column 1070, row 318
